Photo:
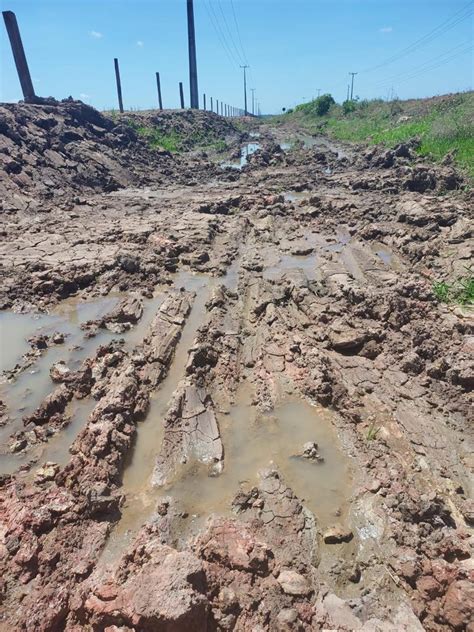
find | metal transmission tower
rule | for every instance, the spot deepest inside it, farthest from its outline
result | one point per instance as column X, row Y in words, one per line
column 245, row 89
column 253, row 101
column 352, row 83
column 193, row 80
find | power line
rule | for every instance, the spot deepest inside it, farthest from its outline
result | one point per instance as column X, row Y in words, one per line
column 445, row 26
column 239, row 56
column 434, row 66
column 401, row 75
column 238, row 31
column 221, row 37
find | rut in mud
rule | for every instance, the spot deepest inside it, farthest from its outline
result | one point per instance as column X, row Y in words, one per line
column 230, row 400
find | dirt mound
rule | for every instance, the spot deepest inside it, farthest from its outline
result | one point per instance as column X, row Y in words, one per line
column 186, row 129
column 64, row 148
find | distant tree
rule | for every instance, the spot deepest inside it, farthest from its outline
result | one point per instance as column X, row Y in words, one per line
column 323, row 103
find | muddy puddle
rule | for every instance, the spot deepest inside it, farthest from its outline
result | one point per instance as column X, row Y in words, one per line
column 255, row 441
column 24, row 394
column 247, row 150
column 252, row 442
column 140, row 496
column 305, row 263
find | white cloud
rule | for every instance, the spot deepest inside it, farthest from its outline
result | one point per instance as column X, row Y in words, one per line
column 386, row 29
column 83, row 95
column 95, row 34
column 140, row 43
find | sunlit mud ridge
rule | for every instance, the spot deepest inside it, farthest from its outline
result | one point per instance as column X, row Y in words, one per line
column 230, row 399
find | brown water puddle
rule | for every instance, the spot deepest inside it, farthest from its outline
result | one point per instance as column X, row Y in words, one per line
column 24, row 394
column 140, row 496
column 252, row 442
column 306, row 263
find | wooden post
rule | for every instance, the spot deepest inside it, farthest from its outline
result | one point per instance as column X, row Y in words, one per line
column 217, row 106
column 119, row 84
column 158, row 85
column 212, row 106
column 19, row 55
column 181, row 94
column 204, row 101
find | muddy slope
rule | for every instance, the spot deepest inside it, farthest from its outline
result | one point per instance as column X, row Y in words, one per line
column 258, row 417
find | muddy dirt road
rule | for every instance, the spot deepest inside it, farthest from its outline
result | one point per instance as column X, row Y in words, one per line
column 230, row 400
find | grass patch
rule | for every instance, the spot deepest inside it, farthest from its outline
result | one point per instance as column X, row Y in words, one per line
column 372, row 432
column 174, row 141
column 158, row 140
column 459, row 292
column 442, row 124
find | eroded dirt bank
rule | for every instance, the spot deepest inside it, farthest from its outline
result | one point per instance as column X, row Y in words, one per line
column 240, row 406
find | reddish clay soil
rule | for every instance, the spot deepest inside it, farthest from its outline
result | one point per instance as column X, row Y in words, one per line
column 240, row 406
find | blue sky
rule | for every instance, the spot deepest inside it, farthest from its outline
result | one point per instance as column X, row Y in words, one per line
column 294, row 48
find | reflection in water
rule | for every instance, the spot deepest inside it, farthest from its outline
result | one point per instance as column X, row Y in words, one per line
column 246, row 151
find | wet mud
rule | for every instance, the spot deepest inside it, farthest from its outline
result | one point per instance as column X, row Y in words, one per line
column 229, row 397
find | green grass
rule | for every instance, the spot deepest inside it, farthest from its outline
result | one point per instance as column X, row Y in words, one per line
column 372, row 432
column 443, row 125
column 158, row 140
column 459, row 292
column 175, row 142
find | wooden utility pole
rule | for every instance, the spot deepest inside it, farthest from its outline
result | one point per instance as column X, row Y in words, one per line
column 119, row 84
column 204, row 101
column 212, row 106
column 158, row 85
column 217, row 106
column 181, row 94
column 193, row 81
column 19, row 56
column 352, row 84
column 245, row 88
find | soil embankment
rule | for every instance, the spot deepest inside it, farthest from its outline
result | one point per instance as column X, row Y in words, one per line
column 231, row 400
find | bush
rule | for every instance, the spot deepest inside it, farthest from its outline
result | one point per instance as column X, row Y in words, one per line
column 323, row 103
column 349, row 106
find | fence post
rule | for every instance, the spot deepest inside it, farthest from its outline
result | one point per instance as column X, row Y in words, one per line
column 158, row 85
column 181, row 94
column 119, row 84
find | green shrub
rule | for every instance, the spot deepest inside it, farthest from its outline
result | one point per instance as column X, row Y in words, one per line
column 349, row 106
column 323, row 103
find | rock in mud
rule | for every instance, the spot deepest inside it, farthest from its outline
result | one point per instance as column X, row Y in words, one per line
column 293, row 583
column 166, row 592
column 337, row 534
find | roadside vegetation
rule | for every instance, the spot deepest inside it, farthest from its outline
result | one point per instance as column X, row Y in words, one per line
column 166, row 137
column 444, row 125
